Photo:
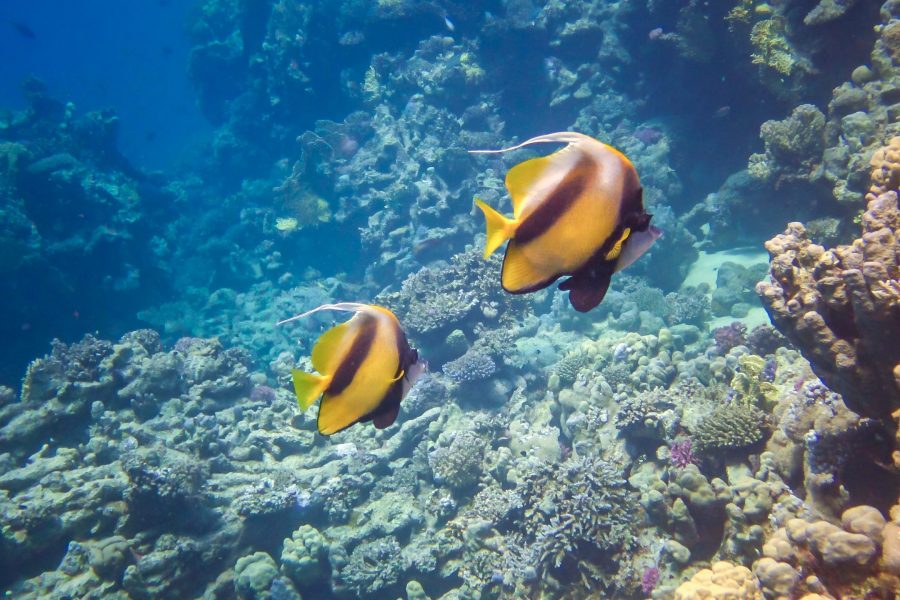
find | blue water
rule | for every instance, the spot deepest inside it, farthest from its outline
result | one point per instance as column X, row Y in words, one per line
column 178, row 177
column 129, row 57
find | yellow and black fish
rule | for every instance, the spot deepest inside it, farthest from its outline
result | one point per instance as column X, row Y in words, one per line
column 365, row 368
column 576, row 212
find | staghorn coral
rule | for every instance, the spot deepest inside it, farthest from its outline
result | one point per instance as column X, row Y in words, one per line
column 574, row 510
column 773, row 50
column 831, row 305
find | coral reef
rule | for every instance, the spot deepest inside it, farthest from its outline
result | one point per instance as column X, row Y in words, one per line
column 818, row 557
column 836, row 307
column 640, row 450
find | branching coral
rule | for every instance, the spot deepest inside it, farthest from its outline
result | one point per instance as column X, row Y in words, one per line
column 576, row 513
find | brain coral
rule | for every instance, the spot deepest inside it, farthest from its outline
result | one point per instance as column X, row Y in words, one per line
column 722, row 581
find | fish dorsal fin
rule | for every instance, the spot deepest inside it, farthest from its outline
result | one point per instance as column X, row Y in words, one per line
column 523, row 177
column 344, row 306
column 326, row 352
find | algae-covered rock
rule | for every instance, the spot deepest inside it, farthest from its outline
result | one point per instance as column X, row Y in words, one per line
column 414, row 591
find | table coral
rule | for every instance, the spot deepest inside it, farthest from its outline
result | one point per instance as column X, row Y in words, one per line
column 831, row 305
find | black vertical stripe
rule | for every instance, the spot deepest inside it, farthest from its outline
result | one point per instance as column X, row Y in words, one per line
column 354, row 359
column 558, row 201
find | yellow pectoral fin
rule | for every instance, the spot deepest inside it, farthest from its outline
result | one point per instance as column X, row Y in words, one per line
column 308, row 387
column 399, row 377
column 616, row 250
column 499, row 228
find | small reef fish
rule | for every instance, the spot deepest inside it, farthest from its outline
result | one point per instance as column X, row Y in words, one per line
column 365, row 368
column 23, row 30
column 576, row 212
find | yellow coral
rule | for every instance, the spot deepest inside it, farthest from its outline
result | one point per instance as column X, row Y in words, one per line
column 472, row 71
column 751, row 387
column 724, row 581
column 286, row 224
column 886, row 168
column 772, row 48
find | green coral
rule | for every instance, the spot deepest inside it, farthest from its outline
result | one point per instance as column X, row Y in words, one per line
column 254, row 575
column 303, row 554
column 471, row 69
column 568, row 366
column 730, row 427
column 771, row 46
column 749, row 384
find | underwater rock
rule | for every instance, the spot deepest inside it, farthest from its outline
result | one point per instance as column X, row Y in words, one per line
column 834, row 305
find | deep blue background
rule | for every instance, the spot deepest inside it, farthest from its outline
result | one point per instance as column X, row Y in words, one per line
column 127, row 55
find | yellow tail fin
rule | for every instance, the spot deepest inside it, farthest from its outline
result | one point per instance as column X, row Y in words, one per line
column 308, row 387
column 499, row 228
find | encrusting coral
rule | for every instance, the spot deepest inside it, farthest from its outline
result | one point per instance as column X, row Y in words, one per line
column 858, row 558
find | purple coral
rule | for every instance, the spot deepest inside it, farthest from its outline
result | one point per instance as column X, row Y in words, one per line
column 681, row 454
column 729, row 336
column 649, row 579
column 262, row 393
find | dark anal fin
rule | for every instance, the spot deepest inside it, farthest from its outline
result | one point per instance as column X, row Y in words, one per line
column 586, row 293
column 386, row 415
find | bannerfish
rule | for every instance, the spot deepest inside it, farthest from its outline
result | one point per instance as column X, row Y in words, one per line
column 577, row 212
column 365, row 368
